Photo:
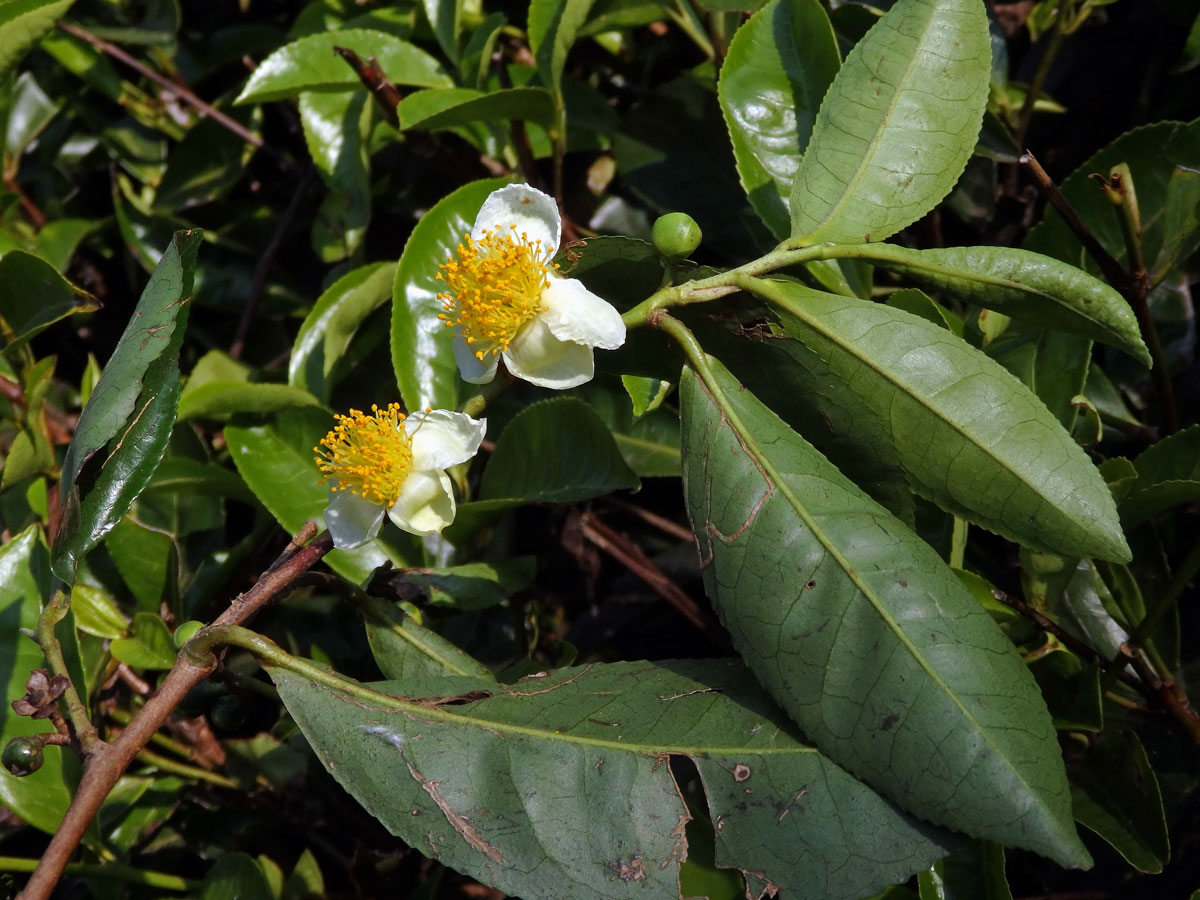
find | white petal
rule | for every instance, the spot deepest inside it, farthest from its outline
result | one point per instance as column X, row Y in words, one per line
column 540, row 358
column 533, row 213
column 473, row 369
column 441, row 438
column 352, row 520
column 573, row 313
column 426, row 503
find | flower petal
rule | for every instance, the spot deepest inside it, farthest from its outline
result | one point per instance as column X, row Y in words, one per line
column 441, row 438
column 426, row 503
column 352, row 520
column 573, row 313
column 533, row 213
column 473, row 369
column 540, row 358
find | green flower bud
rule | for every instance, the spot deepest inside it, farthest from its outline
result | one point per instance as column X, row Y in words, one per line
column 185, row 632
column 23, row 756
column 676, row 235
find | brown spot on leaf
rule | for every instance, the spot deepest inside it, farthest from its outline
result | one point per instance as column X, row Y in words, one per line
column 741, row 772
column 627, row 871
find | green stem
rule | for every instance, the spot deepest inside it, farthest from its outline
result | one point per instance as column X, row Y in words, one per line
column 477, row 402
column 195, row 773
column 684, row 15
column 958, row 542
column 81, row 724
column 115, row 871
column 1025, row 115
column 121, row 717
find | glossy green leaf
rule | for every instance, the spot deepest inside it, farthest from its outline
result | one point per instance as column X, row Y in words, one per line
column 33, row 296
column 445, row 16
column 967, row 435
column 557, row 785
column 436, row 109
column 471, row 586
column 555, row 451
column 207, row 162
column 310, row 64
column 921, row 304
column 30, row 110
column 973, row 872
column 779, row 66
column 553, row 27
column 335, row 317
column 861, row 632
column 1168, row 475
column 1153, row 152
column 408, row 652
column 622, row 270
column 149, row 645
column 421, row 350
column 649, row 443
column 22, row 24
column 143, row 557
column 222, row 399
column 96, row 613
column 335, row 130
column 189, row 477
column 161, row 311
column 1022, row 285
column 42, row 798
column 276, row 459
column 898, row 124
column 236, row 875
column 1116, row 795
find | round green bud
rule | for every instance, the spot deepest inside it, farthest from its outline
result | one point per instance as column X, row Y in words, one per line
column 23, row 756
column 185, row 632
column 675, row 235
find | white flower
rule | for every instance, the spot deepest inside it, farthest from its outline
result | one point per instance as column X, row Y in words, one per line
column 389, row 462
column 506, row 299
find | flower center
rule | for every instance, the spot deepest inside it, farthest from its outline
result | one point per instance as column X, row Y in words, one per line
column 369, row 455
column 494, row 286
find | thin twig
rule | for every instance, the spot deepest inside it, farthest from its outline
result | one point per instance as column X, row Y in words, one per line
column 376, row 81
column 631, row 556
column 263, row 267
column 172, row 87
column 36, row 217
column 105, row 765
column 663, row 524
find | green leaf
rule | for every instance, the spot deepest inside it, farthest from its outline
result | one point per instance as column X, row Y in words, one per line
column 1168, row 475
column 327, row 331
column 553, row 27
column 471, row 586
column 897, row 126
column 276, row 459
column 207, row 162
column 149, row 645
column 187, row 476
column 236, row 876
column 222, row 399
column 779, row 66
column 649, row 443
column 445, row 16
column 29, row 111
column 1022, row 285
column 622, row 270
column 22, row 24
column 143, row 556
column 921, row 304
column 310, row 64
column 967, row 435
column 42, row 798
column 861, row 632
column 1052, row 364
column 1153, row 152
column 973, row 872
column 161, row 311
column 436, row 109
column 335, row 129
column 33, row 296
column 557, row 786
column 96, row 613
column 408, row 652
column 421, row 344
column 1116, row 795
column 1181, row 217
column 555, row 451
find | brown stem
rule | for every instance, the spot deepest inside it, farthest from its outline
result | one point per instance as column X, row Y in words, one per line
column 263, row 267
column 386, row 94
column 170, row 86
column 36, row 216
column 631, row 556
column 1170, row 694
column 107, row 762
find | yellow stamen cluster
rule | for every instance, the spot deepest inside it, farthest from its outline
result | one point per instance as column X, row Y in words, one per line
column 494, row 286
column 369, row 455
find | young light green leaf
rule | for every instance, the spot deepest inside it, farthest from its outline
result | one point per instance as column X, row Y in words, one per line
column 861, row 632
column 967, row 434
column 553, row 26
column 421, row 344
column 897, row 126
column 149, row 645
column 33, row 296
column 329, row 328
column 222, row 399
column 480, row 774
column 22, row 24
column 310, row 64
column 1022, row 285
column 276, row 460
column 778, row 68
column 436, row 109
column 408, row 652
